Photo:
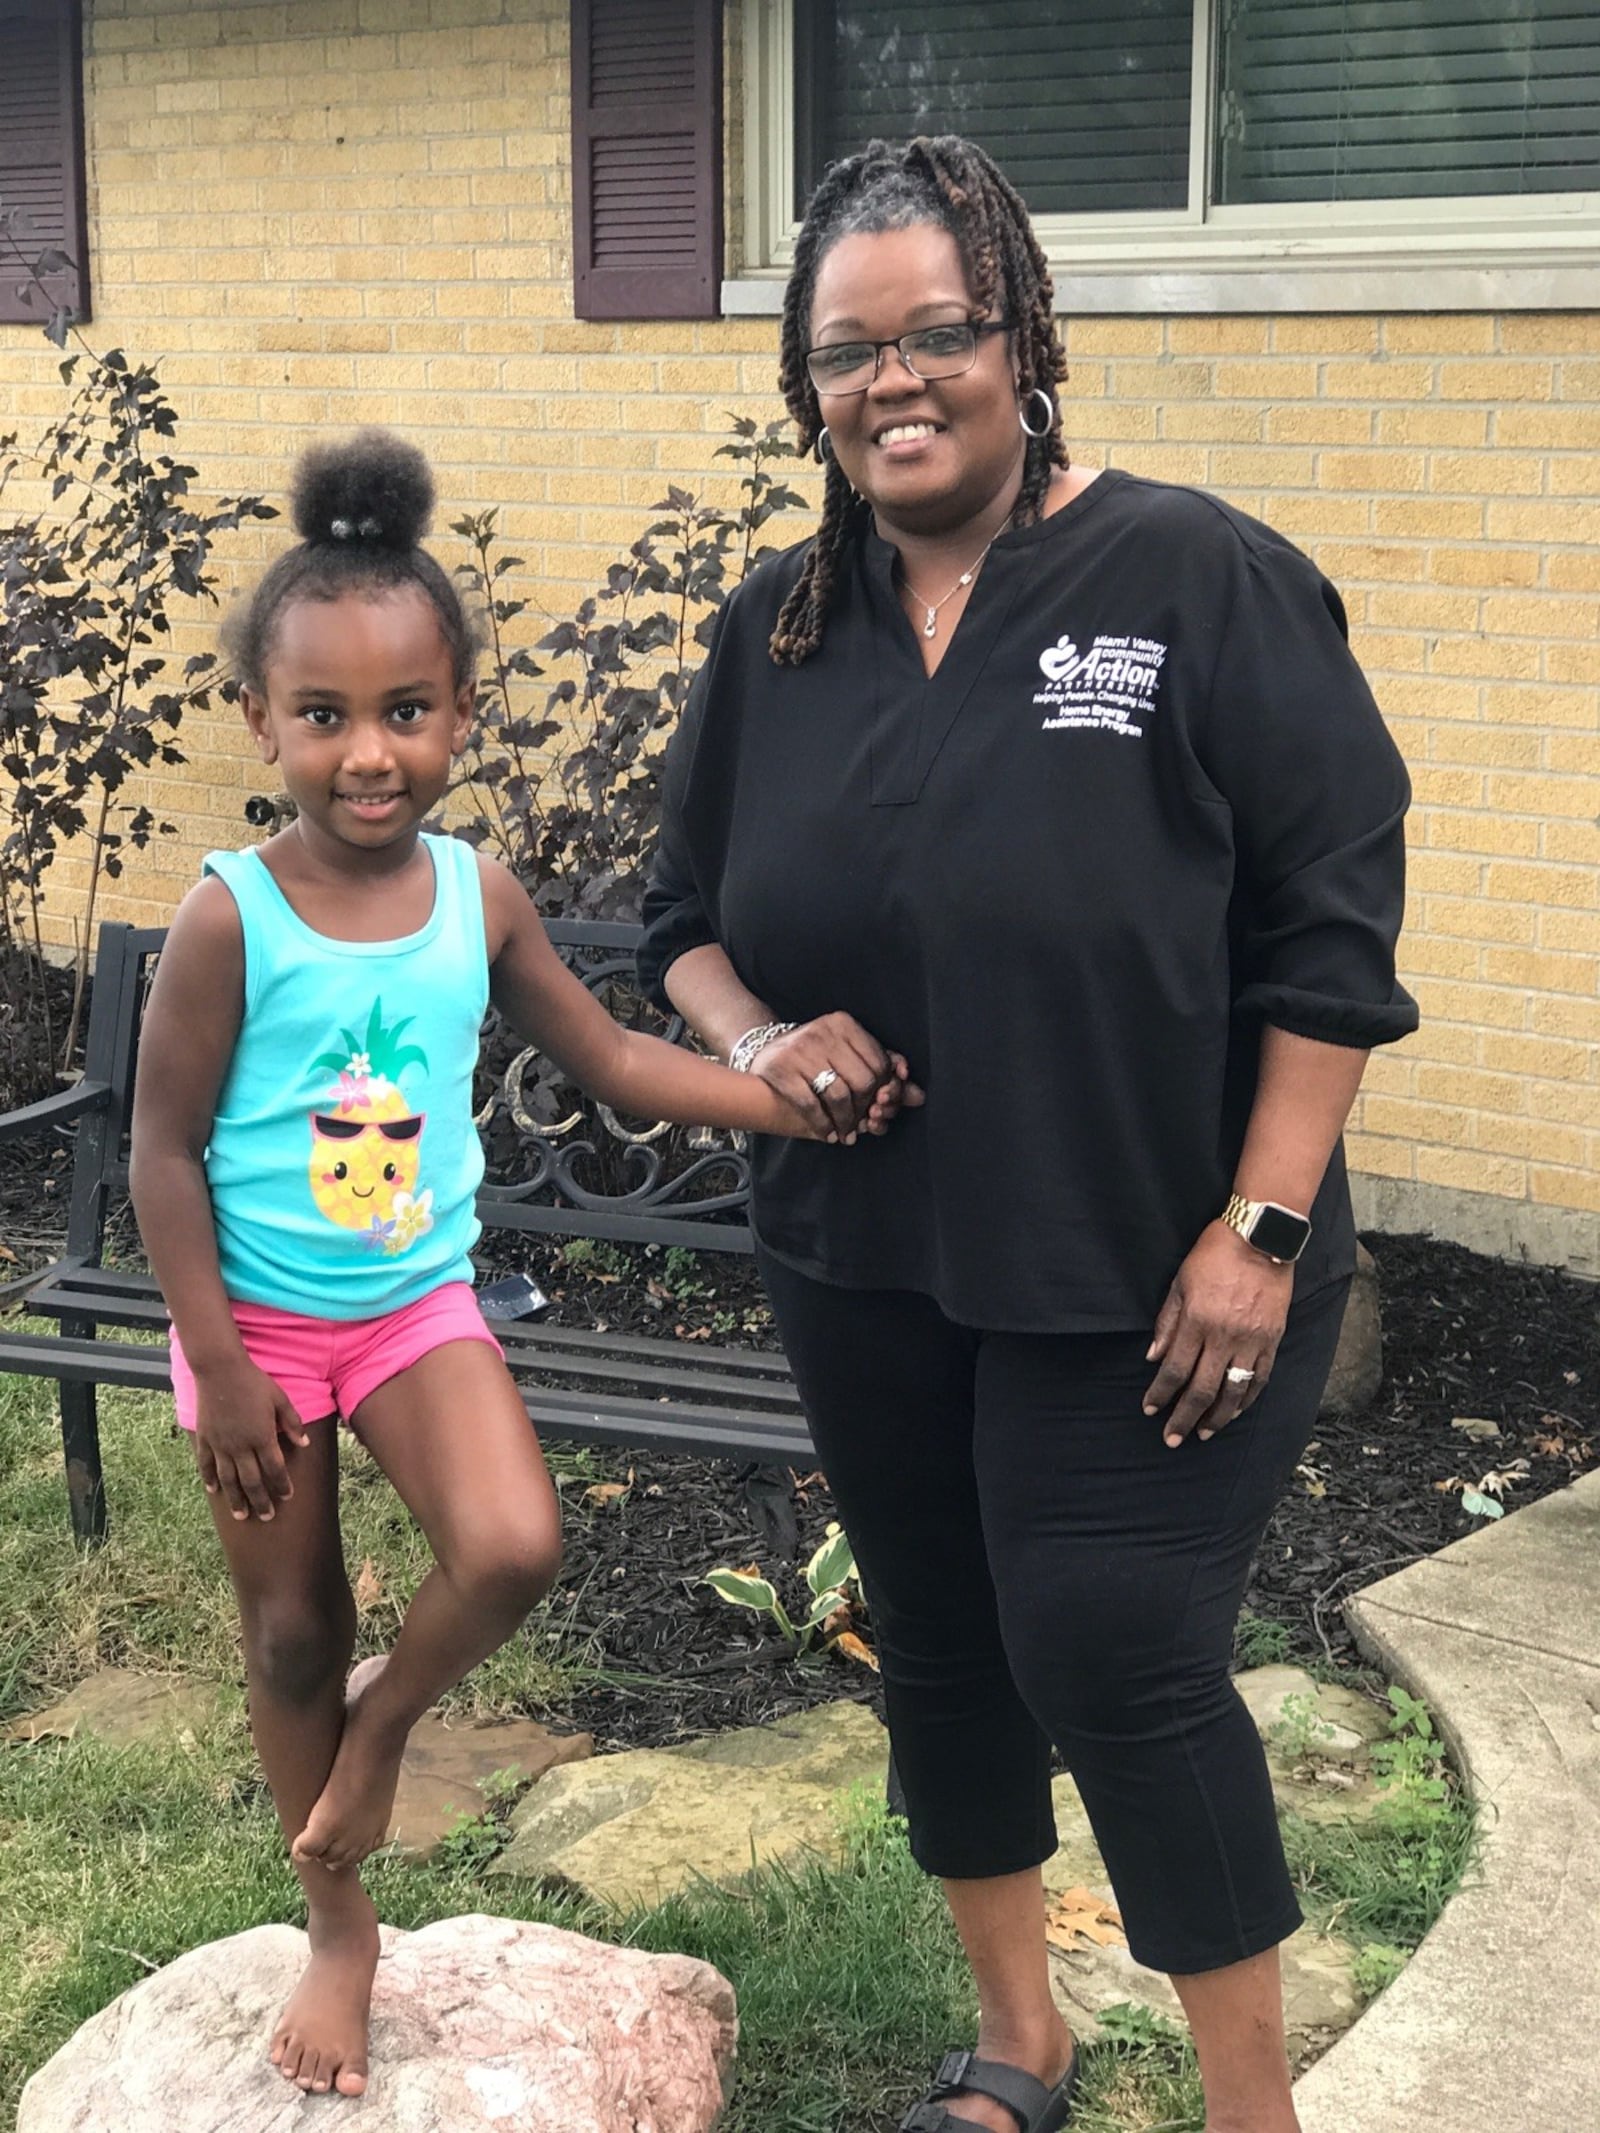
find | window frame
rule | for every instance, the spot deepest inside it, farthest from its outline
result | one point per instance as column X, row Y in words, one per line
column 1461, row 252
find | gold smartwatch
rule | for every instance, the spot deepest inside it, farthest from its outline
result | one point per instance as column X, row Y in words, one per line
column 1276, row 1231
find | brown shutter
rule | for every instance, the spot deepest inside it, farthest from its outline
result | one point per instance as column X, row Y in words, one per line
column 647, row 158
column 41, row 153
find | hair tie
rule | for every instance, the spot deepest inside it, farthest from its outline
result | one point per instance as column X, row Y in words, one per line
column 344, row 529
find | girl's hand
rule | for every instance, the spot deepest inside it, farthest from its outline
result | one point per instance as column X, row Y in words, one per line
column 867, row 1081
column 1225, row 1310
column 897, row 1093
column 243, row 1415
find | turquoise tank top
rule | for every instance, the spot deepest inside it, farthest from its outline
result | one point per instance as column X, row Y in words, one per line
column 343, row 1159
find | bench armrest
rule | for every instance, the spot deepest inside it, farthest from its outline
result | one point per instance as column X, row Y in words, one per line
column 55, row 1110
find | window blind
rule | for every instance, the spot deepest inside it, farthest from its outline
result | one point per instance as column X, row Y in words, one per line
column 1396, row 99
column 41, row 153
column 1085, row 107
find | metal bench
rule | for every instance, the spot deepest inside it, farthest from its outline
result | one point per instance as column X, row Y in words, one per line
column 584, row 1174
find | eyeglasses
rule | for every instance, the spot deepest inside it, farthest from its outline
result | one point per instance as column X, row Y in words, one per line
column 930, row 352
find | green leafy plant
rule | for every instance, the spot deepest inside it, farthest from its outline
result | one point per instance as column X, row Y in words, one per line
column 1376, row 1966
column 563, row 784
column 595, row 1258
column 1300, row 1730
column 1260, row 1641
column 1125, row 2022
column 684, row 1275
column 829, row 1574
column 90, row 693
column 1409, row 1763
column 472, row 1841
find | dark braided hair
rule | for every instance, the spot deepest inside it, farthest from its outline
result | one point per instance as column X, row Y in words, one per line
column 954, row 185
column 361, row 509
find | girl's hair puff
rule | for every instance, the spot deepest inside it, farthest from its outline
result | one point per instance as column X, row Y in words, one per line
column 361, row 508
column 954, row 185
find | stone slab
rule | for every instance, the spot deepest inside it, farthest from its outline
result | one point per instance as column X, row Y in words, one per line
column 1491, row 2026
column 632, row 1828
column 447, row 1761
column 479, row 2025
column 120, row 1708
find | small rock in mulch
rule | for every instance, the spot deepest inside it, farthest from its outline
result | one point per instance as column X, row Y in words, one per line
column 477, row 2023
column 633, row 1828
column 120, row 1708
column 447, row 1762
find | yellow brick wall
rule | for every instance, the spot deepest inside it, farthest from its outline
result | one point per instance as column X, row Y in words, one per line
column 326, row 212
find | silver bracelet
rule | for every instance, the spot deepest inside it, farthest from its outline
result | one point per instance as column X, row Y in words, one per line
column 743, row 1055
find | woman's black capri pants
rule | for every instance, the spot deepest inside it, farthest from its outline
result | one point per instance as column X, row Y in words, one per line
column 1041, row 1567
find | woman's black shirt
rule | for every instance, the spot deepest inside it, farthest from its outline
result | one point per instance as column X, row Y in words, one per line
column 1145, row 804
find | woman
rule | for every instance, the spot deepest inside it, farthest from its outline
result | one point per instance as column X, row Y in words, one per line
column 1064, row 785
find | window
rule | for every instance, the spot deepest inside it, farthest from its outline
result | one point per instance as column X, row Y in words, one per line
column 1292, row 153
column 41, row 157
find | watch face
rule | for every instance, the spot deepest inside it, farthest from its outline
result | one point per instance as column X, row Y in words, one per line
column 1279, row 1233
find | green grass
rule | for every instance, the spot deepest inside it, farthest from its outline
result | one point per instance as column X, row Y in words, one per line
column 849, row 1979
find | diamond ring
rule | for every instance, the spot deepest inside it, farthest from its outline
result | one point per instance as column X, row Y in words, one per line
column 823, row 1082
column 1236, row 1374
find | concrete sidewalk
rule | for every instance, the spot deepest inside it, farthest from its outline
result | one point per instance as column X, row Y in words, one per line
column 1494, row 2025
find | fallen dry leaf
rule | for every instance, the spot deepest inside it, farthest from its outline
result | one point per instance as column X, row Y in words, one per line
column 369, row 1586
column 1478, row 1427
column 1078, row 1916
column 604, row 1492
column 853, row 1648
column 8, row 1255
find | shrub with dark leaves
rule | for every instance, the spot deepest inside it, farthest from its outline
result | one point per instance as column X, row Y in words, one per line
column 91, row 692
column 567, row 790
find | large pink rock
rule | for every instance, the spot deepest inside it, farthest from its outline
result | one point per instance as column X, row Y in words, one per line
column 479, row 2025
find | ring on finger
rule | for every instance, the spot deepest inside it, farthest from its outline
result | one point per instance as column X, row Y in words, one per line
column 823, row 1082
column 1236, row 1374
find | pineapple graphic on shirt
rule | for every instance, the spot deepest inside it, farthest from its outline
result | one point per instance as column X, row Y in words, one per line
column 366, row 1141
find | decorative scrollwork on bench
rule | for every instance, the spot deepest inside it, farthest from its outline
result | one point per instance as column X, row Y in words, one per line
column 545, row 1141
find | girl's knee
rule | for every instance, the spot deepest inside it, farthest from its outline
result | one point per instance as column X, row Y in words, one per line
column 509, row 1573
column 299, row 1650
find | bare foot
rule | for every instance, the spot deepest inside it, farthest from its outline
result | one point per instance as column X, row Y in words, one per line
column 321, row 2040
column 351, row 1815
column 363, row 1674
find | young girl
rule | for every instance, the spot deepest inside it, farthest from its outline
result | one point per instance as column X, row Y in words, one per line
column 304, row 1165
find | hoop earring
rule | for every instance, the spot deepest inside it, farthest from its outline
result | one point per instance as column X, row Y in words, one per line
column 1038, row 393
column 824, row 447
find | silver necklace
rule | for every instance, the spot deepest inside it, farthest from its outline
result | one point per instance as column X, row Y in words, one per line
column 930, row 608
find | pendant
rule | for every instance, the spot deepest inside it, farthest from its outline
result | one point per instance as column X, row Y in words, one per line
column 931, row 624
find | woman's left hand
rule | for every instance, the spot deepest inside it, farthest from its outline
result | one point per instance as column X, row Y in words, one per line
column 1225, row 1310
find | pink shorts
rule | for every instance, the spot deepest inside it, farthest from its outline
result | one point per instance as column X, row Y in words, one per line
column 328, row 1366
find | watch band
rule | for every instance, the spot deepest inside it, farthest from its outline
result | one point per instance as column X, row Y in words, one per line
column 1277, row 1232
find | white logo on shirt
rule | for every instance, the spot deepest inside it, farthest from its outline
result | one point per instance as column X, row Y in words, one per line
column 1106, row 689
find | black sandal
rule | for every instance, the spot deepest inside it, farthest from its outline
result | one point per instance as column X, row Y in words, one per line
column 1035, row 2108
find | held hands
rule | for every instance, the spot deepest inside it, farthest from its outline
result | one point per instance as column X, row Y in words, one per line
column 862, row 1086
column 243, row 1415
column 1225, row 1310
